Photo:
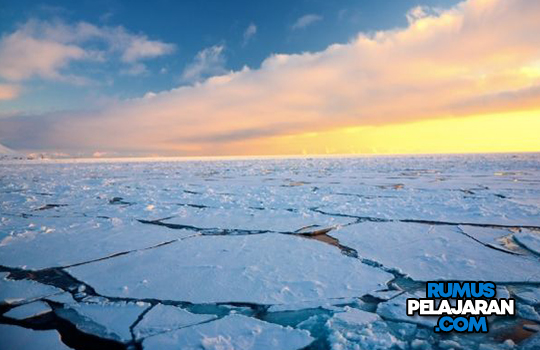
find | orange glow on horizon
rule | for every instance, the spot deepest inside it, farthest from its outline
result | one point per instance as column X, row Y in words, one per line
column 493, row 133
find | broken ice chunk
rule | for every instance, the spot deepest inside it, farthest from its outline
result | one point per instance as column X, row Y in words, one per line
column 527, row 312
column 79, row 240
column 231, row 332
column 529, row 240
column 262, row 269
column 355, row 316
column 491, row 237
column 18, row 338
column 529, row 295
column 20, row 291
column 34, row 309
column 435, row 252
column 110, row 321
column 62, row 298
column 164, row 318
column 358, row 329
column 256, row 220
column 395, row 310
column 323, row 304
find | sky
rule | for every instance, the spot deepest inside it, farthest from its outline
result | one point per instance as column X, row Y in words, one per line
column 208, row 78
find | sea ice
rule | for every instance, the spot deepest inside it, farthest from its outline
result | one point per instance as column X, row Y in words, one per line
column 18, row 338
column 36, row 308
column 165, row 318
column 79, row 240
column 263, row 269
column 529, row 240
column 231, row 332
column 21, row 291
column 249, row 219
column 395, row 310
column 356, row 329
column 111, row 320
column 435, row 252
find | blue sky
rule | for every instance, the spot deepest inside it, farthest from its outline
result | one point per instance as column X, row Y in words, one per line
column 191, row 26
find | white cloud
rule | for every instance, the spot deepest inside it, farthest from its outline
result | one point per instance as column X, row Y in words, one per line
column 477, row 57
column 45, row 49
column 206, row 63
column 9, row 91
column 249, row 33
column 306, row 20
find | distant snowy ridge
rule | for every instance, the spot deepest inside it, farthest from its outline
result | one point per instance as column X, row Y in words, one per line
column 7, row 151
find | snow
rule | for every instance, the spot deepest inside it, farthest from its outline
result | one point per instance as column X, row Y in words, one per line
column 203, row 240
column 435, row 252
column 248, row 219
column 34, row 309
column 395, row 310
column 324, row 304
column 165, row 318
column 262, row 269
column 110, row 320
column 529, row 240
column 20, row 291
column 15, row 337
column 529, row 295
column 231, row 332
column 78, row 240
column 492, row 237
column 356, row 329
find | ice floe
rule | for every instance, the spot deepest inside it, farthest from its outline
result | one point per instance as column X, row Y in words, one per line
column 111, row 320
column 34, row 309
column 262, row 269
column 435, row 252
column 18, row 338
column 231, row 332
column 21, row 291
column 165, row 318
column 529, row 240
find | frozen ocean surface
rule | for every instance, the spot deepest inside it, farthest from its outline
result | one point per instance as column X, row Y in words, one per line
column 307, row 253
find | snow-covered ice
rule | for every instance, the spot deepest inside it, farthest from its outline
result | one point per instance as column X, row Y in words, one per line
column 231, row 332
column 165, row 318
column 261, row 269
column 18, row 338
column 110, row 321
column 261, row 254
column 435, row 252
column 529, row 239
column 34, row 309
column 21, row 291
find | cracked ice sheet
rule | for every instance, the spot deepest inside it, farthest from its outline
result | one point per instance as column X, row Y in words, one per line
column 262, row 269
column 357, row 329
column 77, row 240
column 435, row 205
column 277, row 220
column 36, row 308
column 231, row 332
column 20, row 291
column 15, row 337
column 489, row 236
column 108, row 320
column 165, row 318
column 428, row 253
column 529, row 240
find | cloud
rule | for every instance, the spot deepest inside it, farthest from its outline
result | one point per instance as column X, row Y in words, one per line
column 477, row 57
column 249, row 33
column 207, row 62
column 44, row 49
column 9, row 91
column 306, row 20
